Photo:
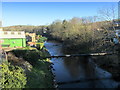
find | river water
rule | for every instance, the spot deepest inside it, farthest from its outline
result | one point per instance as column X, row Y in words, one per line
column 76, row 72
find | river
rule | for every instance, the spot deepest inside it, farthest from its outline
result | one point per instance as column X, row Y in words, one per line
column 76, row 72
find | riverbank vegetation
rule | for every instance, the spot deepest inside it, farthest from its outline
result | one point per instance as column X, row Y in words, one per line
column 87, row 34
column 37, row 70
column 82, row 34
column 12, row 76
column 25, row 69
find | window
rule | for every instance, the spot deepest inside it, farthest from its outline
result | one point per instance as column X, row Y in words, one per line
column 12, row 32
column 19, row 33
column 5, row 33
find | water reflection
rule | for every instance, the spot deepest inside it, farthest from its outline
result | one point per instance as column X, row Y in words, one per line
column 77, row 68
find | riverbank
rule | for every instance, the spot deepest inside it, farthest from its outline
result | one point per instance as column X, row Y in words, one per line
column 110, row 64
column 38, row 71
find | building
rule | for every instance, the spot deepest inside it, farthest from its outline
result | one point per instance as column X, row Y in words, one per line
column 30, row 37
column 12, row 38
column 117, row 33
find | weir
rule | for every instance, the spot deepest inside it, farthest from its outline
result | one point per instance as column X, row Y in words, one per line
column 79, row 55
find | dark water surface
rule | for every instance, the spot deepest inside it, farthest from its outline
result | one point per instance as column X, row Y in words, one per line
column 78, row 72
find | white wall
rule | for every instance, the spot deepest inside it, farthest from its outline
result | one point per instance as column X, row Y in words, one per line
column 9, row 34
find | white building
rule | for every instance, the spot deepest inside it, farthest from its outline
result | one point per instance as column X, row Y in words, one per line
column 12, row 38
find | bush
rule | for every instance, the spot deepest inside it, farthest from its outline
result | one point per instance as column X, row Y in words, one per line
column 12, row 76
column 39, row 45
column 31, row 56
column 41, row 39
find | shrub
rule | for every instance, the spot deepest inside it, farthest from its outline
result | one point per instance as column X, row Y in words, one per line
column 31, row 56
column 39, row 45
column 41, row 39
column 12, row 76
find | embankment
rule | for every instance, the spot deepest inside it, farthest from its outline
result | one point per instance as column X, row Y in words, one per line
column 37, row 70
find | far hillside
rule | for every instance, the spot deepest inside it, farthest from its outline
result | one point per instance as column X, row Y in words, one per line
column 26, row 28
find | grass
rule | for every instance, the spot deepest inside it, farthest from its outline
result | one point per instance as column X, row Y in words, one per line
column 40, row 76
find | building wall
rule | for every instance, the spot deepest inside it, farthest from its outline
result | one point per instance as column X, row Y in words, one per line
column 32, row 35
column 24, row 42
column 14, row 42
column 12, row 38
column 12, row 34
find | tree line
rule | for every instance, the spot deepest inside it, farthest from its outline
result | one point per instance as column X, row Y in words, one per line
column 87, row 34
column 81, row 34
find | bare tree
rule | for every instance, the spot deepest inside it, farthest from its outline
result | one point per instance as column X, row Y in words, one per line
column 108, row 15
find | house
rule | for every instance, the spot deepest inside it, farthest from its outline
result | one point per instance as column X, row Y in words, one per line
column 31, row 38
column 12, row 38
column 116, row 39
